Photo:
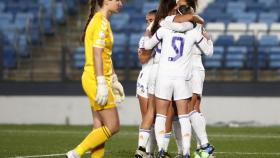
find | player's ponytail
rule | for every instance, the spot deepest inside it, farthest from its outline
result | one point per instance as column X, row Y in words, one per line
column 164, row 8
column 193, row 4
column 91, row 14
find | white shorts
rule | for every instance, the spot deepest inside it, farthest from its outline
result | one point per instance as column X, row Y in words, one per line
column 178, row 88
column 142, row 82
column 197, row 80
column 152, row 79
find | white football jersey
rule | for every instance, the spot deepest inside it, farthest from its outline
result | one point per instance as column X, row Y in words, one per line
column 197, row 52
column 141, row 45
column 175, row 61
column 157, row 53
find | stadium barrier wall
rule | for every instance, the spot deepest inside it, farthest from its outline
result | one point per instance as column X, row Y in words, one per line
column 75, row 110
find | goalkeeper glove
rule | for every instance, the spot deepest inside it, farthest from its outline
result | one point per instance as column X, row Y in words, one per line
column 102, row 91
column 118, row 89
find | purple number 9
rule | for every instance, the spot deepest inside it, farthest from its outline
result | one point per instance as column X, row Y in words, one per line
column 178, row 51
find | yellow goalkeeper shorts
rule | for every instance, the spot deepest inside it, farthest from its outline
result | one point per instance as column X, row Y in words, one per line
column 90, row 87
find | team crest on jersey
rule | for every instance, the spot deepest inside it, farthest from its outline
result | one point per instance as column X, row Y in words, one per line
column 102, row 34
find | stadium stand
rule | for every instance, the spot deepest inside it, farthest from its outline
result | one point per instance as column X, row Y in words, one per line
column 246, row 35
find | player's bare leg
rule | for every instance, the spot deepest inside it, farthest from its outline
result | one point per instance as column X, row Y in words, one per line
column 143, row 102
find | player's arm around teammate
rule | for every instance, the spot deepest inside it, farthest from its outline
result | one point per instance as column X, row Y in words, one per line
column 97, row 78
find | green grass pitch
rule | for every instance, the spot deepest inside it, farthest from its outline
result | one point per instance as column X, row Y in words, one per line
column 36, row 140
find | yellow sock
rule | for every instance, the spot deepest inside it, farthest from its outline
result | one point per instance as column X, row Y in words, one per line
column 94, row 139
column 98, row 152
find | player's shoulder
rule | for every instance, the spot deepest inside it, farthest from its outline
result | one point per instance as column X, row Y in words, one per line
column 99, row 18
column 196, row 30
column 170, row 18
column 164, row 30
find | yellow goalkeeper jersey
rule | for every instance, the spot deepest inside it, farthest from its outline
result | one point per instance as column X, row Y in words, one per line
column 99, row 34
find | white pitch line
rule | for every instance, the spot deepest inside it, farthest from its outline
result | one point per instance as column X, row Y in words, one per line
column 244, row 136
column 219, row 153
column 34, row 156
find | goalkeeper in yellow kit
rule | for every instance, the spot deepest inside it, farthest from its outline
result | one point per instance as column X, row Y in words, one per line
column 99, row 80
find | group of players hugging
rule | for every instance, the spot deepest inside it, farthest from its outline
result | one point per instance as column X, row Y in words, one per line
column 170, row 84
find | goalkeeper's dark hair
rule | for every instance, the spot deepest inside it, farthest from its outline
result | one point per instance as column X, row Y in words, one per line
column 92, row 4
column 165, row 6
column 193, row 4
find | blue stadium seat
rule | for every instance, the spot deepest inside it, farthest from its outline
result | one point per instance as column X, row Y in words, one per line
column 134, row 39
column 72, row 6
column 119, row 60
column 13, row 7
column 225, row 40
column 212, row 64
column 48, row 6
column 269, row 40
column 217, row 6
column 216, row 15
column 35, row 32
column 130, row 8
column 119, row 49
column 268, row 18
column 261, row 58
column 133, row 60
column 79, row 57
column 216, row 61
column 48, row 25
column 2, row 6
column 9, row 57
column 23, row 48
column 136, row 23
column 256, row 7
column 246, row 40
column 247, row 18
column 10, row 37
column 6, row 18
column 120, row 39
column 267, row 3
column 119, row 21
column 23, row 20
column 274, row 57
column 275, row 8
column 34, row 9
column 234, row 7
column 60, row 16
column 236, row 57
column 148, row 6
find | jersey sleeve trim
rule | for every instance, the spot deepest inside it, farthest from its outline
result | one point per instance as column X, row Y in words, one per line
column 98, row 46
column 157, row 37
column 200, row 40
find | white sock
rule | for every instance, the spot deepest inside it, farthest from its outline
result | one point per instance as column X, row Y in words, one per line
column 160, row 130
column 143, row 137
column 199, row 127
column 186, row 131
column 197, row 140
column 166, row 140
column 178, row 135
column 151, row 142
